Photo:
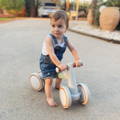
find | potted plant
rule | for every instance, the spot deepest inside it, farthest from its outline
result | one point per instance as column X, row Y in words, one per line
column 110, row 16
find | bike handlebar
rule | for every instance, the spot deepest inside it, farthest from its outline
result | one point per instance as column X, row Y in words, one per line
column 68, row 66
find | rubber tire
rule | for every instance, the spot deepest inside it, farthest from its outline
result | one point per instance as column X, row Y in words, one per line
column 65, row 97
column 84, row 92
column 36, row 82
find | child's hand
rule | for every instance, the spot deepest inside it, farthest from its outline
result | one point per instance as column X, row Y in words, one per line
column 63, row 67
column 77, row 63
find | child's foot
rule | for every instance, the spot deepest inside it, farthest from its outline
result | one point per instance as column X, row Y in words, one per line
column 57, row 87
column 51, row 102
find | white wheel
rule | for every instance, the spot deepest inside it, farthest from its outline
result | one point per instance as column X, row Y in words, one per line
column 65, row 97
column 36, row 82
column 84, row 93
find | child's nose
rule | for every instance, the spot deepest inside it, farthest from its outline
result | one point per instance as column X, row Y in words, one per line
column 56, row 28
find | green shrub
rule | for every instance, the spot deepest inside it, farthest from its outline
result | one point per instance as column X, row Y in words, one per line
column 12, row 4
column 95, row 8
column 113, row 3
column 96, row 17
column 118, row 26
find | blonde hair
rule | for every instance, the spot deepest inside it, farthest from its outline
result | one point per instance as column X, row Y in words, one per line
column 60, row 14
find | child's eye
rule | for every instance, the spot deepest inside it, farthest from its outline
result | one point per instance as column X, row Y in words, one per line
column 53, row 25
column 59, row 26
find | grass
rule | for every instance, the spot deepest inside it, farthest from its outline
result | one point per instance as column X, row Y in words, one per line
column 5, row 19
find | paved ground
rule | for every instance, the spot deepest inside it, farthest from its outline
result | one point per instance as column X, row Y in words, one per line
column 19, row 56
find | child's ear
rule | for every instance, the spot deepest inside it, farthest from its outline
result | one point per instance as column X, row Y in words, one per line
column 65, row 29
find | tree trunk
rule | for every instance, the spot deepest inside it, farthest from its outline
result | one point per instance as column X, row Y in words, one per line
column 31, row 8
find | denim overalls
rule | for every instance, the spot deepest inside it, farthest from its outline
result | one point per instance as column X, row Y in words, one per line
column 47, row 67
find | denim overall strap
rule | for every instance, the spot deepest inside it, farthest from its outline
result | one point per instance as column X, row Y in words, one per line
column 65, row 40
column 54, row 40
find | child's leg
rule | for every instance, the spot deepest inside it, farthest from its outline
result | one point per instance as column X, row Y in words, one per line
column 48, row 92
column 58, row 82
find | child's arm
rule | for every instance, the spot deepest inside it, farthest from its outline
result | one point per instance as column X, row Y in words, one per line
column 75, row 54
column 55, row 60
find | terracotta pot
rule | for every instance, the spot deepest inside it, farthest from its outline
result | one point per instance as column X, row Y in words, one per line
column 109, row 18
column 90, row 16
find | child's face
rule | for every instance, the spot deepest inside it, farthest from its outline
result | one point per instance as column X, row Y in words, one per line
column 58, row 27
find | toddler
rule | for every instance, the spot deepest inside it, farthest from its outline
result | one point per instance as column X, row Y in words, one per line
column 53, row 49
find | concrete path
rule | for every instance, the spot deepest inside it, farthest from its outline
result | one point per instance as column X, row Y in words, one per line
column 20, row 47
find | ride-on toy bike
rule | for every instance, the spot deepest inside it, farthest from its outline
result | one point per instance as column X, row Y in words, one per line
column 69, row 93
